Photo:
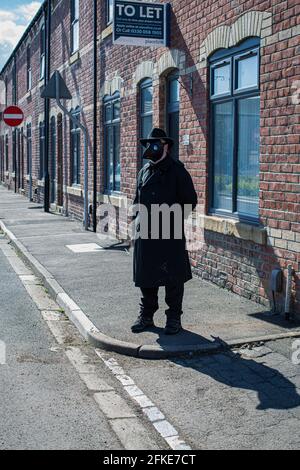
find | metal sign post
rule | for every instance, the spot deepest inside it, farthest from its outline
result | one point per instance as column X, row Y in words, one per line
column 58, row 90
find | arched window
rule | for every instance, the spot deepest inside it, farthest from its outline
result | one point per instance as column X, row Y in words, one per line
column 112, row 105
column 29, row 148
column 2, row 158
column 14, row 151
column 21, row 158
column 146, row 108
column 6, row 153
column 235, row 131
column 173, row 110
column 75, row 148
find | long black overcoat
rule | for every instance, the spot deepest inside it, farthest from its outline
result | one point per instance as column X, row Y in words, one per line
column 160, row 261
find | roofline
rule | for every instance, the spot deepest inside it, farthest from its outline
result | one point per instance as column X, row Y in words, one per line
column 31, row 24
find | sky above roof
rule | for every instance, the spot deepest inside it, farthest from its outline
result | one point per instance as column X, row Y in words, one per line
column 15, row 16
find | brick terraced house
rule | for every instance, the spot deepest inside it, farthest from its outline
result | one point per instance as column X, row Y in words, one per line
column 227, row 90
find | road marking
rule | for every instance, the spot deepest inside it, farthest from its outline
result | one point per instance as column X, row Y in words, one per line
column 154, row 415
column 85, row 248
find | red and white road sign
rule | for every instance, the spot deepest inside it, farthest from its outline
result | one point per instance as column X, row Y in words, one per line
column 13, row 116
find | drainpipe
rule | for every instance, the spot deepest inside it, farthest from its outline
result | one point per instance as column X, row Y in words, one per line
column 95, row 119
column 30, row 165
column 47, row 14
column 288, row 293
column 15, row 130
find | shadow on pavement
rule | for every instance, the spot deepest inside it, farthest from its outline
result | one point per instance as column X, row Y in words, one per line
column 116, row 247
column 184, row 338
column 274, row 390
column 276, row 319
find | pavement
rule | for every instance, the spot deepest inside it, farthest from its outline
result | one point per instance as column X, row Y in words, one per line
column 95, row 289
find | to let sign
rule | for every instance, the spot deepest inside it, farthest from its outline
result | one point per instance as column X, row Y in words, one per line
column 13, row 116
column 141, row 24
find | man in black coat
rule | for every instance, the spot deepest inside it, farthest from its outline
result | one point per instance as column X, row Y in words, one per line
column 165, row 197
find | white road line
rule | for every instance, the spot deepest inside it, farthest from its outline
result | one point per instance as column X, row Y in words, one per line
column 154, row 415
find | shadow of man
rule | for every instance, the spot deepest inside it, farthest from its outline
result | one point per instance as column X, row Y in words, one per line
column 274, row 390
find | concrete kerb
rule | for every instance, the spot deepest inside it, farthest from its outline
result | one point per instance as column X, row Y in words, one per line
column 99, row 340
column 262, row 339
column 157, row 352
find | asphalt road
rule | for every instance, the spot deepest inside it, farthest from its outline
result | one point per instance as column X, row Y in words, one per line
column 44, row 404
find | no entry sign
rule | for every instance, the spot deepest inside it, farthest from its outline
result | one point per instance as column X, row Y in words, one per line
column 13, row 116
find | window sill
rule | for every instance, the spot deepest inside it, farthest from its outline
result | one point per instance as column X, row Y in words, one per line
column 75, row 191
column 41, row 183
column 28, row 94
column 74, row 58
column 107, row 32
column 13, row 175
column 116, row 199
column 6, row 174
column 41, row 82
column 236, row 229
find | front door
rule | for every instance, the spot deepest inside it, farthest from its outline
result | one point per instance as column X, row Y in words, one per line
column 53, row 137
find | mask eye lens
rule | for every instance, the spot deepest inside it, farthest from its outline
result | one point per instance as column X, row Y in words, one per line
column 155, row 147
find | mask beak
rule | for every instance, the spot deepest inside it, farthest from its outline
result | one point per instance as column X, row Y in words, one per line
column 148, row 152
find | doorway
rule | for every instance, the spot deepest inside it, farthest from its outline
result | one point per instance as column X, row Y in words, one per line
column 53, row 140
column 59, row 139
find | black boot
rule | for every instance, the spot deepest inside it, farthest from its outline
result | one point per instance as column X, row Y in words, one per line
column 142, row 323
column 173, row 326
column 174, row 298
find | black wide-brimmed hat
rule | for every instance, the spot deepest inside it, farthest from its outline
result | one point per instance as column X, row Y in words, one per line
column 157, row 134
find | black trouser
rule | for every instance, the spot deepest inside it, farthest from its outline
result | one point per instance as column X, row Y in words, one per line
column 174, row 299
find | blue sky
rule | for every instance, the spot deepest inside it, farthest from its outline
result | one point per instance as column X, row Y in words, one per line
column 15, row 15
